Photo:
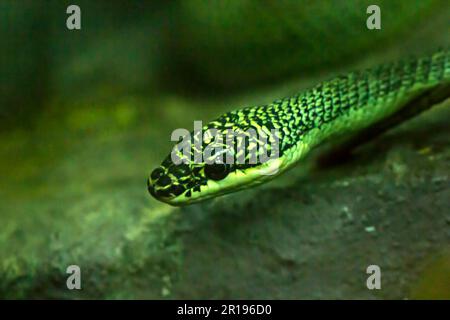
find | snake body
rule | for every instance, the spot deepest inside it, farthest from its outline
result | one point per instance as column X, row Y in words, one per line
column 344, row 105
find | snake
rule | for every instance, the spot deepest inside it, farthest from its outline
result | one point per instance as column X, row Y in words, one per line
column 346, row 105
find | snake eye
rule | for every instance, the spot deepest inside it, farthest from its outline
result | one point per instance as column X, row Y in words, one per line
column 216, row 171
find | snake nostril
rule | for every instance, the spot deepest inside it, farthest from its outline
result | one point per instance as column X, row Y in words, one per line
column 164, row 181
column 157, row 173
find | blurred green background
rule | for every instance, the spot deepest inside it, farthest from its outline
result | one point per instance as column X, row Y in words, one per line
column 86, row 114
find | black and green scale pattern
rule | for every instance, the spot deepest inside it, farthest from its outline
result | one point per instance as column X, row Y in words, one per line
column 358, row 97
column 297, row 115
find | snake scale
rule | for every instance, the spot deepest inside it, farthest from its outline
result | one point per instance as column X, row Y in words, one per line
column 344, row 105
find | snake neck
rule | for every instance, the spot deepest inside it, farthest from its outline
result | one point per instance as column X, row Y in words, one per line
column 351, row 102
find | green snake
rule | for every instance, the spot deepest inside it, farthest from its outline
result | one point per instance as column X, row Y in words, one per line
column 343, row 106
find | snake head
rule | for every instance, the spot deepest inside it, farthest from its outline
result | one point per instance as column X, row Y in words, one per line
column 198, row 169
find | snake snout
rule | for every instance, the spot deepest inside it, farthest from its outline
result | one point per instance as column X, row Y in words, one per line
column 151, row 188
column 161, row 186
